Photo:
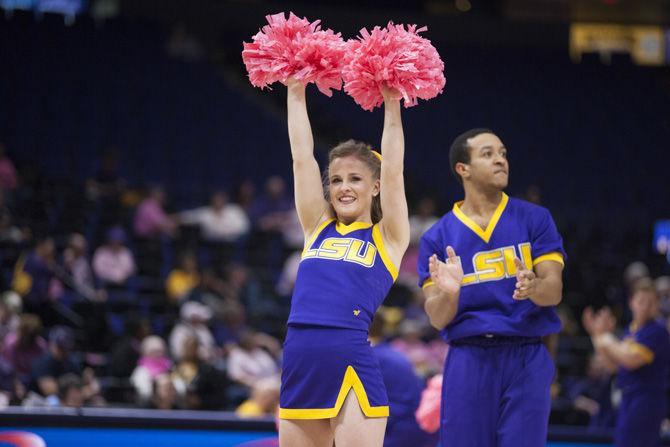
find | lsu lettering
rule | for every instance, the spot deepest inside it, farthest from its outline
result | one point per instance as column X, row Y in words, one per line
column 493, row 265
column 344, row 249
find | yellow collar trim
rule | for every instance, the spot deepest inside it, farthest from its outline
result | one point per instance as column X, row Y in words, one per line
column 344, row 229
column 484, row 234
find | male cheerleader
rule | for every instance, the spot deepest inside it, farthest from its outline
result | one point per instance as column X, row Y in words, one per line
column 491, row 272
column 643, row 358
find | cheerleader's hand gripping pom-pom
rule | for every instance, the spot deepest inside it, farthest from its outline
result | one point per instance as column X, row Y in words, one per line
column 297, row 48
column 396, row 57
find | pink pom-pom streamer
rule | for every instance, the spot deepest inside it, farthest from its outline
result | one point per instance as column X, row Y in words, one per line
column 396, row 57
column 297, row 48
column 428, row 413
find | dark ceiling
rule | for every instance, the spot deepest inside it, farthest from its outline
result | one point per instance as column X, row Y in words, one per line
column 475, row 22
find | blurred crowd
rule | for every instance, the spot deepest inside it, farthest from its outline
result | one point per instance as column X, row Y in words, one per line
column 114, row 296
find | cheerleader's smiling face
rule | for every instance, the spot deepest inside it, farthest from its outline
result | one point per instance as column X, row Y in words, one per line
column 351, row 188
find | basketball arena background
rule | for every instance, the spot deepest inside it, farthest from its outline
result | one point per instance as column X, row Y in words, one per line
column 110, row 107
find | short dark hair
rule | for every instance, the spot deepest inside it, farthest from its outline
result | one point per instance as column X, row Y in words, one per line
column 459, row 152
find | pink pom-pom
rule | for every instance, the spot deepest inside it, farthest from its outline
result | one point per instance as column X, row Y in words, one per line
column 397, row 58
column 428, row 413
column 295, row 48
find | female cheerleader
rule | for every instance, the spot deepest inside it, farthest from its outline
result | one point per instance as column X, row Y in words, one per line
column 332, row 389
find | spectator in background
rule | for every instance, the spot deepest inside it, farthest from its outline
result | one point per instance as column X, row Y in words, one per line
column 221, row 221
column 245, row 196
column 8, row 177
column 250, row 361
column 9, row 314
column 125, row 353
column 151, row 220
column 35, row 281
column 84, row 298
column 187, row 364
column 240, row 281
column 643, row 358
column 219, row 296
column 57, row 361
column 264, row 399
column 182, row 280
column 244, row 288
column 23, row 347
column 271, row 215
column 200, row 385
column 164, row 394
column 404, row 388
column 71, row 391
column 270, row 212
column 79, row 269
column 153, row 363
column 193, row 322
column 113, row 262
column 11, row 390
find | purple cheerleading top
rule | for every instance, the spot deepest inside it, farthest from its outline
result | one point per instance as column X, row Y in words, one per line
column 517, row 229
column 653, row 343
column 344, row 275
